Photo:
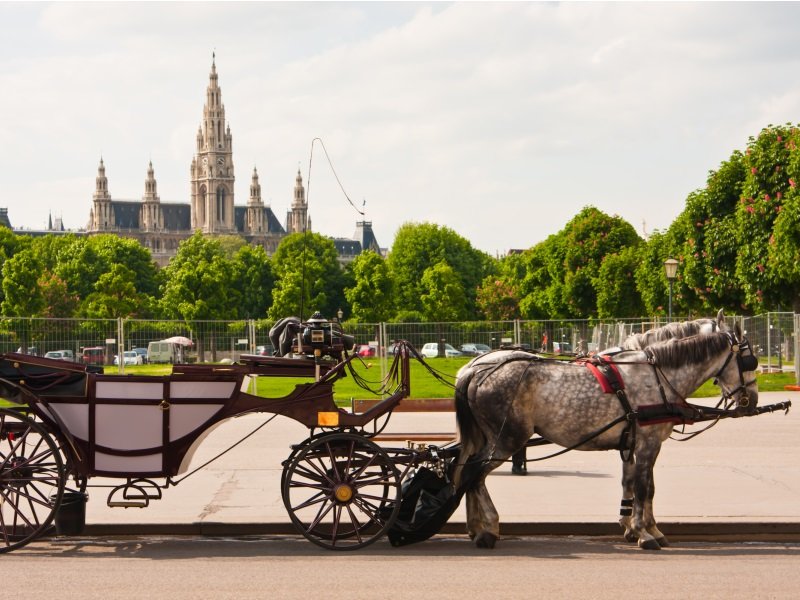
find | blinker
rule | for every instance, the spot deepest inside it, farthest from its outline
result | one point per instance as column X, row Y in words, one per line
column 748, row 363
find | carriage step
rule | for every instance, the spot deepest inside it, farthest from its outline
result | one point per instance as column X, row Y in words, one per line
column 126, row 504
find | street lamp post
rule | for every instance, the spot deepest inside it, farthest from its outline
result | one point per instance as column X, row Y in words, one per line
column 671, row 271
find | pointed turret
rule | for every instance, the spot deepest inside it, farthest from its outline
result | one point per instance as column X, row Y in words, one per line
column 212, row 198
column 101, row 218
column 297, row 219
column 150, row 214
column 254, row 218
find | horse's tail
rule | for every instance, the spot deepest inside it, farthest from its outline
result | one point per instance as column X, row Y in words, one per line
column 470, row 435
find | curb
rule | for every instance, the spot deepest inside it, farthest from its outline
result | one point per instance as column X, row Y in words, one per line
column 788, row 532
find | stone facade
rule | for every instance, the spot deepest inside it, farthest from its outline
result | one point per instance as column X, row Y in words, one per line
column 161, row 227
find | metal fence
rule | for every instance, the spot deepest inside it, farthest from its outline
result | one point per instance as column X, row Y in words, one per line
column 773, row 335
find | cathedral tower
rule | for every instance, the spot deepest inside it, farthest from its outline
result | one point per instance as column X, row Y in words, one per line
column 150, row 217
column 254, row 218
column 297, row 219
column 101, row 217
column 212, row 166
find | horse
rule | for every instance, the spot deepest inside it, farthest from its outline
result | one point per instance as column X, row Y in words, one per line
column 503, row 397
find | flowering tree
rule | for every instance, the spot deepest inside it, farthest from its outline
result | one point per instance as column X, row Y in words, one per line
column 766, row 243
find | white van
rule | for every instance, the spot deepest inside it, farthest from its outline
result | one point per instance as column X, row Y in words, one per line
column 164, row 352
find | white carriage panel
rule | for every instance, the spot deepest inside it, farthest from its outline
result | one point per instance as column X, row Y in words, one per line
column 186, row 418
column 75, row 418
column 129, row 390
column 187, row 459
column 128, row 426
column 201, row 389
column 149, row 463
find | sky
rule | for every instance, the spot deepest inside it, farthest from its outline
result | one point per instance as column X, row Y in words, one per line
column 498, row 120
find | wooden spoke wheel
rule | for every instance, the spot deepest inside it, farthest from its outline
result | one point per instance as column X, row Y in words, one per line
column 341, row 491
column 32, row 479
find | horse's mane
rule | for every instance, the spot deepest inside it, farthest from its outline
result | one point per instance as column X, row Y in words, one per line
column 696, row 349
column 637, row 341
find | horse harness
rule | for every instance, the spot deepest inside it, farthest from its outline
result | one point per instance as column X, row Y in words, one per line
column 680, row 412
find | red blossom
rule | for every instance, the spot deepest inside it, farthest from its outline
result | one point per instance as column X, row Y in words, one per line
column 750, row 209
column 791, row 182
column 753, row 170
column 779, row 195
column 760, row 268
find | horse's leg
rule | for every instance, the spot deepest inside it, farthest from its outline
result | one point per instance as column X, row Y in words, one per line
column 487, row 529
column 646, row 453
column 626, row 504
column 650, row 519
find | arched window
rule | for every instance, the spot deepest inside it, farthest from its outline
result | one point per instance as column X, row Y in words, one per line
column 201, row 207
column 221, row 204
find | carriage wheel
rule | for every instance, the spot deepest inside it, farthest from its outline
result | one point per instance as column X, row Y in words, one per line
column 32, row 478
column 341, row 491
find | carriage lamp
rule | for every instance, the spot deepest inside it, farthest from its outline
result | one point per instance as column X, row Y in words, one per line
column 671, row 271
column 340, row 314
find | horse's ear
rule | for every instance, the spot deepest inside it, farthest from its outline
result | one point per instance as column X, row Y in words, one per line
column 720, row 318
column 737, row 331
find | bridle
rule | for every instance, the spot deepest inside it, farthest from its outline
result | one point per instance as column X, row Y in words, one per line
column 744, row 363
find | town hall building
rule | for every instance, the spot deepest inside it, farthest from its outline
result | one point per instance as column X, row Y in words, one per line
column 161, row 227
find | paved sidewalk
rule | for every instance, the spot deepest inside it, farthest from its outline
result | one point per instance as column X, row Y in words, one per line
column 742, row 475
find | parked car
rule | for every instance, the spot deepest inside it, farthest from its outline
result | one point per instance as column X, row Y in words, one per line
column 264, row 350
column 60, row 355
column 474, row 349
column 431, row 350
column 32, row 350
column 129, row 357
column 143, row 353
column 365, row 350
column 95, row 355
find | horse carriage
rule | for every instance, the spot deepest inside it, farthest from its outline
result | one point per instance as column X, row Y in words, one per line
column 69, row 423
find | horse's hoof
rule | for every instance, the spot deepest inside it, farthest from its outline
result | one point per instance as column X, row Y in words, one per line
column 662, row 541
column 649, row 545
column 519, row 469
column 631, row 537
column 485, row 540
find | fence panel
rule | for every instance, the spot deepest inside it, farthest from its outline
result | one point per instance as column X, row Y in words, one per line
column 773, row 336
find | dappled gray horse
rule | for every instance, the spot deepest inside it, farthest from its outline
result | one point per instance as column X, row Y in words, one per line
column 502, row 398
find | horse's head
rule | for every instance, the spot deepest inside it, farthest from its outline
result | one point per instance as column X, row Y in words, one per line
column 737, row 376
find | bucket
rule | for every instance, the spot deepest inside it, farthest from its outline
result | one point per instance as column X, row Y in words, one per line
column 70, row 517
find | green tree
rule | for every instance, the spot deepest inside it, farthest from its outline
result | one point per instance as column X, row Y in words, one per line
column 58, row 302
column 588, row 238
column 307, row 277
column 370, row 296
column 115, row 295
column 22, row 296
column 253, row 277
column 772, row 170
column 443, row 297
column 198, row 286
column 707, row 232
column 197, row 281
column 498, row 298
column 417, row 247
column 618, row 297
column 541, row 288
